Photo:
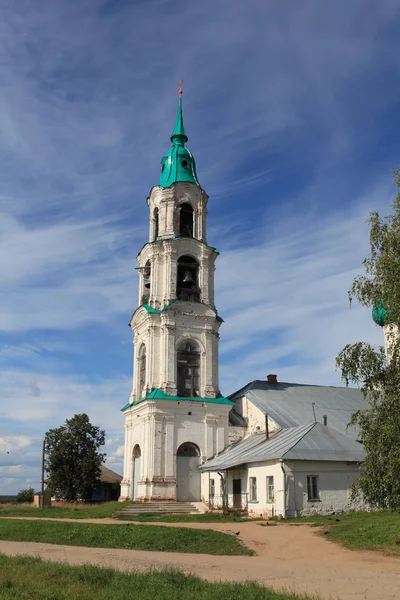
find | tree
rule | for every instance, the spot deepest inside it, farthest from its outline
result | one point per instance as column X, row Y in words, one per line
column 72, row 458
column 378, row 373
column 25, row 495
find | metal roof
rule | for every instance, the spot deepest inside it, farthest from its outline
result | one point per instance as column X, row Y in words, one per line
column 235, row 419
column 290, row 404
column 307, row 442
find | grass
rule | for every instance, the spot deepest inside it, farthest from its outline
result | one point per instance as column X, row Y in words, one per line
column 26, row 578
column 360, row 530
column 134, row 537
column 63, row 510
column 208, row 517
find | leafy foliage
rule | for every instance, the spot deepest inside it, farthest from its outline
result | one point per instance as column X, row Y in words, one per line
column 378, row 373
column 73, row 459
column 25, row 495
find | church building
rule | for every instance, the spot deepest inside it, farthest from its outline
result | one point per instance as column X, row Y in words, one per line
column 271, row 448
column 176, row 417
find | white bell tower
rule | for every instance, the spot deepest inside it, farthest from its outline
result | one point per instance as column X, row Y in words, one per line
column 176, row 417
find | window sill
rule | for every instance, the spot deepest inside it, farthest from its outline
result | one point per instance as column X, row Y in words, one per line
column 253, row 501
column 314, row 500
column 270, row 501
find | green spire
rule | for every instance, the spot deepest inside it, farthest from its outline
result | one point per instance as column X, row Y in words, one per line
column 178, row 163
column 179, row 137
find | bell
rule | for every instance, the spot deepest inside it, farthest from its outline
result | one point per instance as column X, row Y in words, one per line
column 147, row 282
column 187, row 278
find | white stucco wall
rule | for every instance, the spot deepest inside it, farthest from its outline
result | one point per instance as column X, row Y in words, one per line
column 159, row 428
column 254, row 417
column 335, row 480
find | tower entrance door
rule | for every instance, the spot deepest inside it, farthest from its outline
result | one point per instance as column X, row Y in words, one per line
column 188, row 477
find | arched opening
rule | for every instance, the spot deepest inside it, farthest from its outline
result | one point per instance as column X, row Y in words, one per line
column 155, row 237
column 142, row 369
column 188, row 369
column 188, row 484
column 136, row 459
column 186, row 220
column 187, row 283
column 146, row 273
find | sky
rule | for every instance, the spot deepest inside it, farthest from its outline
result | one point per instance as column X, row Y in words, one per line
column 292, row 113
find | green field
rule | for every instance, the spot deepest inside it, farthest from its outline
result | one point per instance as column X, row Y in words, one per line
column 133, row 537
column 63, row 511
column 360, row 530
column 25, row 578
column 101, row 511
column 208, row 517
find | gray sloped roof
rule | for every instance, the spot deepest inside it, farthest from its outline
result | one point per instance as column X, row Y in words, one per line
column 307, row 442
column 108, row 476
column 233, row 453
column 235, row 419
column 290, row 404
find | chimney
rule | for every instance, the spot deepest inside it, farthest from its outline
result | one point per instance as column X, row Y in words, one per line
column 272, row 379
column 325, row 420
column 266, row 427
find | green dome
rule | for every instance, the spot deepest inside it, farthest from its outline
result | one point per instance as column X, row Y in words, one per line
column 379, row 314
column 178, row 163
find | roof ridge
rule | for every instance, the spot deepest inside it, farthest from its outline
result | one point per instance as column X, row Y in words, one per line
column 311, row 426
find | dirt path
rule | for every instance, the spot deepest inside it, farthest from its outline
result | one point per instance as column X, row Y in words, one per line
column 287, row 557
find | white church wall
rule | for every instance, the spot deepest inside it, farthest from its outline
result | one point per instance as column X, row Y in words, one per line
column 334, row 481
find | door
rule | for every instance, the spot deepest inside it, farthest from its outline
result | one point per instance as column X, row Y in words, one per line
column 188, row 476
column 136, row 470
column 237, row 493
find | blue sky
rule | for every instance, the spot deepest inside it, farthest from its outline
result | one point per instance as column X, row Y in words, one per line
column 292, row 112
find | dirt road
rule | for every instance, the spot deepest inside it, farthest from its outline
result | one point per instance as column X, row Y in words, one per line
column 291, row 557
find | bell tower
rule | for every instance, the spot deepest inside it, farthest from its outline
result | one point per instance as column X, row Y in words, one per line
column 175, row 411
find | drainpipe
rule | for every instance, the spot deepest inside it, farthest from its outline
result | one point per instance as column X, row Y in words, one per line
column 284, row 488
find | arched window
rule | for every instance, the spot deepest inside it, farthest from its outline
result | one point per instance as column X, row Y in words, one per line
column 188, row 449
column 136, row 452
column 187, row 283
column 142, row 368
column 147, row 276
column 188, row 369
column 186, row 220
column 155, row 224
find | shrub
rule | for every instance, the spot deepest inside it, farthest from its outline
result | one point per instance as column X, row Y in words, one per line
column 25, row 495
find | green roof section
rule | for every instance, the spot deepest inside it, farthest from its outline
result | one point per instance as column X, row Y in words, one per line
column 178, row 163
column 158, row 394
column 179, row 134
column 150, row 309
column 380, row 315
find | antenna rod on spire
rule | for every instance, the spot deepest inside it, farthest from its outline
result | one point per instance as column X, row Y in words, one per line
column 180, row 87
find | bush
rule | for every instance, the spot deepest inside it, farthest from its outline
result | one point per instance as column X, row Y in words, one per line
column 25, row 495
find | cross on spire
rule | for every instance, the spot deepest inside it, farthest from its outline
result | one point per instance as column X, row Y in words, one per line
column 180, row 87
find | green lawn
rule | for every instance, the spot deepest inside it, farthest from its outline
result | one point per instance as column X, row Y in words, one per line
column 361, row 531
column 63, row 511
column 195, row 518
column 23, row 578
column 135, row 537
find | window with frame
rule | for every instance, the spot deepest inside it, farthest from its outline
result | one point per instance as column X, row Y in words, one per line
column 312, row 487
column 270, row 489
column 188, row 369
column 142, row 368
column 253, row 489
